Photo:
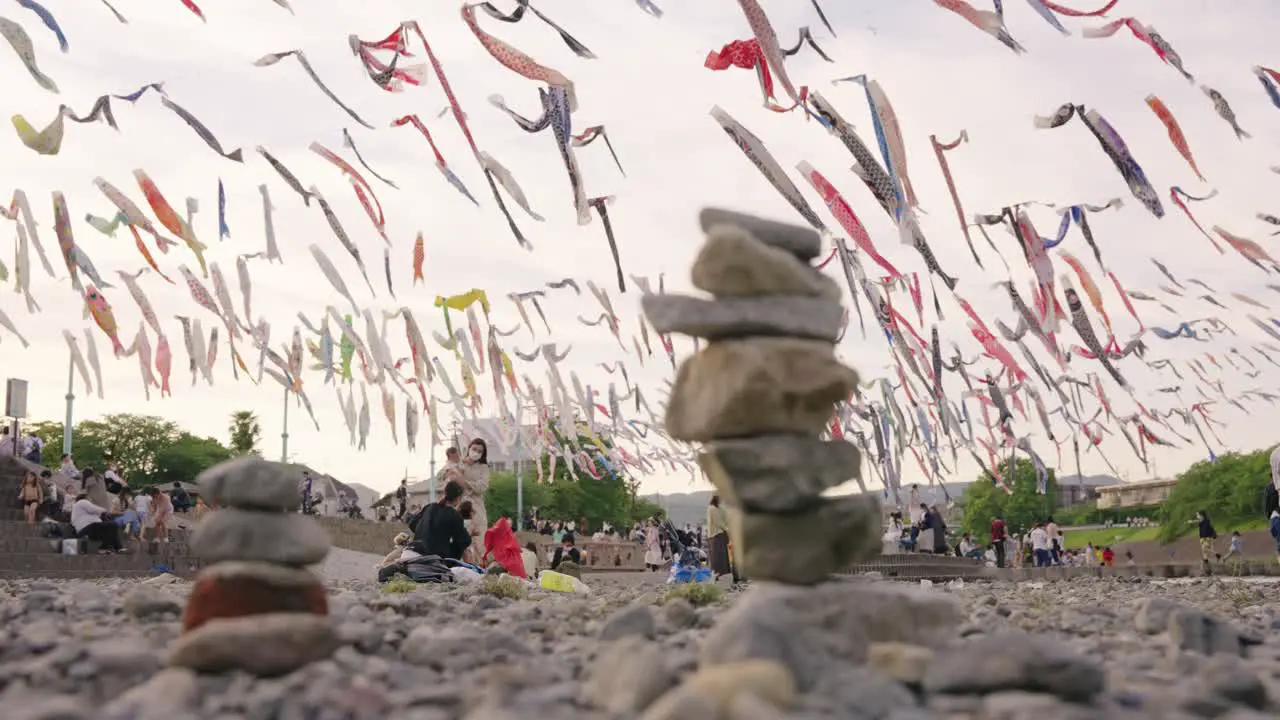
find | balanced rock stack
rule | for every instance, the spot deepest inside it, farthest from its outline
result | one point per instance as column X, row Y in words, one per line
column 762, row 391
column 255, row 606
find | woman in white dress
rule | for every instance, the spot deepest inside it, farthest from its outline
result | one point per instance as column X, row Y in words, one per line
column 475, row 481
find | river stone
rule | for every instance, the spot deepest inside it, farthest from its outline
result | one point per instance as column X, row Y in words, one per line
column 762, row 315
column 778, row 473
column 761, row 386
column 798, row 240
column 1015, row 661
column 804, row 548
column 252, row 483
column 265, row 645
column 733, row 262
column 294, row 540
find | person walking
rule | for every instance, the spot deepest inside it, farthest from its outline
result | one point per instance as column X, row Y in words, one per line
column 1207, row 536
column 718, row 543
column 999, row 533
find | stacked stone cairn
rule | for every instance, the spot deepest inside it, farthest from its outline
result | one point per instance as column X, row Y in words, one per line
column 757, row 398
column 255, row 606
column 762, row 391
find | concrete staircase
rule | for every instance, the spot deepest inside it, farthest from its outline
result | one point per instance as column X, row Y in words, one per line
column 25, row 554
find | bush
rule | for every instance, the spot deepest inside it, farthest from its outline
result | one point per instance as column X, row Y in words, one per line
column 399, row 584
column 1231, row 490
column 697, row 594
column 504, row 586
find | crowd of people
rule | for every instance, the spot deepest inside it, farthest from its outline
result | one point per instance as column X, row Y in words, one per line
column 102, row 508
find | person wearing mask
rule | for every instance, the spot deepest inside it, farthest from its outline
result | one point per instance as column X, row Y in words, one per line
column 939, row 526
column 718, row 532
column 475, row 482
column 93, row 522
column 652, row 546
column 1207, row 536
column 999, row 533
column 30, row 495
column 440, row 529
column 566, row 553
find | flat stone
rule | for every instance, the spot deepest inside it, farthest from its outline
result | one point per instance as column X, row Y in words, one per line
column 216, row 596
column 814, row 629
column 733, row 263
column 805, row 548
column 627, row 676
column 741, row 317
column 762, row 386
column 280, row 576
column 900, row 661
column 631, row 620
column 768, row 680
column 1196, row 631
column 803, row 242
column 778, row 473
column 284, row 539
column 1015, row 661
column 264, row 645
column 250, row 482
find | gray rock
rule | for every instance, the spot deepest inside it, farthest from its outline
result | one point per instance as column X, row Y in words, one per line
column 1014, row 661
column 267, row 645
column 778, row 473
column 1019, row 705
column 633, row 619
column 860, row 692
column 281, row 576
column 443, row 647
column 166, row 694
column 627, row 676
column 251, row 483
column 806, row 547
column 145, row 602
column 734, row 263
column 1227, row 677
column 798, row 240
column 678, row 614
column 1153, row 614
column 742, row 317
column 762, row 386
column 284, row 539
column 1200, row 632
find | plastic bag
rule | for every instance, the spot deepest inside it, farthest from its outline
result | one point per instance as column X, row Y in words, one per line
column 684, row 574
column 559, row 582
column 465, row 575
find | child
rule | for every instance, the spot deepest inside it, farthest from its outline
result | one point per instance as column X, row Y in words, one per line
column 161, row 513
column 31, row 495
column 1236, row 549
column 1108, row 556
column 1275, row 530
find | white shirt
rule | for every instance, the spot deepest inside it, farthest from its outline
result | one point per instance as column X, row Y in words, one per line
column 84, row 514
column 967, row 546
column 142, row 504
column 1054, row 532
column 1039, row 539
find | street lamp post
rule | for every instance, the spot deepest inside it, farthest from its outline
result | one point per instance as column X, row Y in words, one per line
column 71, row 398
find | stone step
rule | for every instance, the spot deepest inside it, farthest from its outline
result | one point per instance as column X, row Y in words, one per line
column 35, row 544
column 20, row 529
column 53, row 565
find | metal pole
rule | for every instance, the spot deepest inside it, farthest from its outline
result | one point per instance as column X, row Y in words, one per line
column 519, row 494
column 284, row 434
column 431, row 481
column 71, row 398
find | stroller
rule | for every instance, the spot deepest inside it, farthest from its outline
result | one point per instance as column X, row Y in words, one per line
column 686, row 559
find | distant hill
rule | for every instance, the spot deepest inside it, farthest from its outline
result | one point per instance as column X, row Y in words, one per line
column 684, row 508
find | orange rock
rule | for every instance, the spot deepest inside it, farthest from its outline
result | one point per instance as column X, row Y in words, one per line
column 218, row 596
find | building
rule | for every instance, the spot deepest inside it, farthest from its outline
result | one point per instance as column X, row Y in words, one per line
column 1081, row 490
column 1135, row 494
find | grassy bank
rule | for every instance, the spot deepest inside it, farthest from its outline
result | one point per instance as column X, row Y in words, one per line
column 1121, row 534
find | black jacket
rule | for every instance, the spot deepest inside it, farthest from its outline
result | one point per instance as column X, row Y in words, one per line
column 561, row 556
column 441, row 530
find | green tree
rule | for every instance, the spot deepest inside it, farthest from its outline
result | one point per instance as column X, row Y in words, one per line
column 983, row 500
column 245, row 433
column 611, row 498
column 186, row 458
column 1230, row 490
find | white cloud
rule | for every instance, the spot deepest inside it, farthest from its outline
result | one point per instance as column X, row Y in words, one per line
column 650, row 90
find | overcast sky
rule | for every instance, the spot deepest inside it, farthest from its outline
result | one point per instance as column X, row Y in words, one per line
column 649, row 88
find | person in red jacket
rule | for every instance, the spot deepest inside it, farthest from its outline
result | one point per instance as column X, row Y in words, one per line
column 501, row 543
column 999, row 532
